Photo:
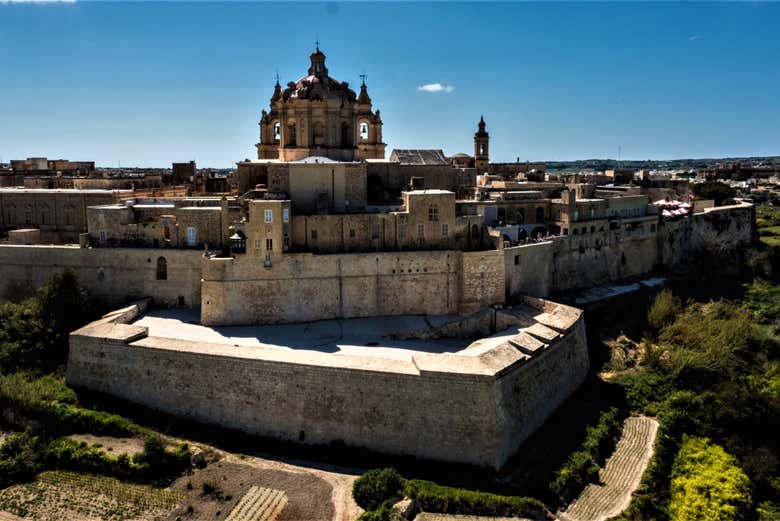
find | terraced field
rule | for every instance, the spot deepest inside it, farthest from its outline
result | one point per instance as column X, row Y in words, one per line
column 620, row 475
column 259, row 504
column 56, row 496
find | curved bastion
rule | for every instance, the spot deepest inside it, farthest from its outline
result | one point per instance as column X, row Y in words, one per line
column 414, row 385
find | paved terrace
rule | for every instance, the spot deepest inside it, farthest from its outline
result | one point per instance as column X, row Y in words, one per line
column 382, row 337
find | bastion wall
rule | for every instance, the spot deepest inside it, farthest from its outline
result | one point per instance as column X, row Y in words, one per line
column 501, row 393
column 304, row 287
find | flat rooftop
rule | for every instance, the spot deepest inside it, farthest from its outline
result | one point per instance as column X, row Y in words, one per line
column 380, row 337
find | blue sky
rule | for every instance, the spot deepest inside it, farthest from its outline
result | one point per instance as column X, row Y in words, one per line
column 152, row 83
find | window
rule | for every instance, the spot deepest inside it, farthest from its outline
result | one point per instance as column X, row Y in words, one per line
column 277, row 132
column 420, row 230
column 444, row 230
column 269, row 244
column 351, row 233
column 102, row 236
column 191, row 237
column 257, row 244
column 517, row 260
column 345, row 141
column 167, row 232
column 286, row 215
column 314, row 234
column 363, row 130
column 433, row 213
column 269, row 215
column 291, row 137
column 162, row 268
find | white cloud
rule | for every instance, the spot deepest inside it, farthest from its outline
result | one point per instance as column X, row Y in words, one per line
column 436, row 87
column 694, row 38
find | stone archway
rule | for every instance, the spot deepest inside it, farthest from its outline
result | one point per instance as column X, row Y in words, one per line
column 375, row 189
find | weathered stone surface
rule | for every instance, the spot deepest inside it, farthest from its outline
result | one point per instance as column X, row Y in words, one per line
column 389, row 405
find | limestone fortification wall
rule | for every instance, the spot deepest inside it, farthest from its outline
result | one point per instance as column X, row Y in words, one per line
column 717, row 231
column 302, row 287
column 112, row 275
column 581, row 261
column 500, row 393
column 305, row 287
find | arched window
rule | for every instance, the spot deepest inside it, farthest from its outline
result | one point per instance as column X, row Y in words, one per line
column 540, row 215
column 162, row 268
column 363, row 131
column 291, row 136
column 319, row 133
column 277, row 132
column 345, row 141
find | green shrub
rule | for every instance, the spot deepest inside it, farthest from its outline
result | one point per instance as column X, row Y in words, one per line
column 707, row 484
column 49, row 401
column 377, row 486
column 383, row 513
column 19, row 458
column 663, row 311
column 23, row 455
column 34, row 333
column 582, row 466
column 449, row 500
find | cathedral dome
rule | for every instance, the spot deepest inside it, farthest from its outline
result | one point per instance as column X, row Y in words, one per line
column 317, row 85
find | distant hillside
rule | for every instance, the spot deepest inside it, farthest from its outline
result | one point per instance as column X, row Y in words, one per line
column 676, row 164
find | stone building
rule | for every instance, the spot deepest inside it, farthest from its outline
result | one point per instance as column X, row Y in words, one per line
column 61, row 215
column 320, row 116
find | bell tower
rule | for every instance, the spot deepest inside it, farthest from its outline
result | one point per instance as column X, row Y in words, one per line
column 481, row 154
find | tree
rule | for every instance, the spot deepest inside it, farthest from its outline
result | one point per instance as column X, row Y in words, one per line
column 707, row 485
column 720, row 192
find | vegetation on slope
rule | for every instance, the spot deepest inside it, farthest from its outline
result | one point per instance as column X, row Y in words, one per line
column 36, row 402
column 377, row 490
column 583, row 466
column 710, row 370
column 707, row 483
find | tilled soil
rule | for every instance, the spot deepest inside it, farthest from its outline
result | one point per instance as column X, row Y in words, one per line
column 309, row 498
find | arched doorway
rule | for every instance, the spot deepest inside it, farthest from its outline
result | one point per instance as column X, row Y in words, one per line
column 375, row 190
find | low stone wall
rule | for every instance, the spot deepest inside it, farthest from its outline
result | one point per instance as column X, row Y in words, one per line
column 472, row 407
column 112, row 276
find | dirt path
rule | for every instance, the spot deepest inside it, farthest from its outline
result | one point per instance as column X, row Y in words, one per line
column 5, row 516
column 619, row 477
